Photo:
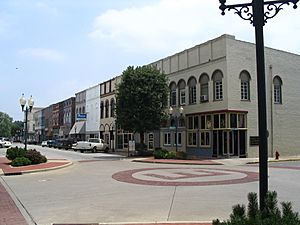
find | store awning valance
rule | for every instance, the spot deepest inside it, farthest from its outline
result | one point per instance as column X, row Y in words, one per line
column 78, row 128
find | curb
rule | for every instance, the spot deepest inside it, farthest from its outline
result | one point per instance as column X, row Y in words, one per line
column 177, row 163
column 48, row 169
column 144, row 223
column 276, row 160
column 20, row 172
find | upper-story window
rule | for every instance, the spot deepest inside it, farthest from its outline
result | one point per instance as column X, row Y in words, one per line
column 101, row 110
column 217, row 78
column 277, row 82
column 181, row 92
column 204, row 79
column 192, row 90
column 245, row 85
column 112, row 107
column 106, row 109
column 173, row 94
column 83, row 109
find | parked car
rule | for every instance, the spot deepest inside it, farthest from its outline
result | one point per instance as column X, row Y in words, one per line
column 51, row 143
column 65, row 143
column 44, row 143
column 2, row 143
column 93, row 144
column 7, row 144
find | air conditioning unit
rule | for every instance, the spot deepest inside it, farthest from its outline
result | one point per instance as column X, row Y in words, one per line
column 203, row 98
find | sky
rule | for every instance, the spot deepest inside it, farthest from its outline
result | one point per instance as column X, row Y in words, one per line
column 52, row 49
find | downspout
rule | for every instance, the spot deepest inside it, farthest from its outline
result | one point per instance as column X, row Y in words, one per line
column 271, row 109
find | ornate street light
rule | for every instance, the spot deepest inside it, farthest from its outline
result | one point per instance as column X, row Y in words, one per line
column 26, row 108
column 176, row 117
column 258, row 17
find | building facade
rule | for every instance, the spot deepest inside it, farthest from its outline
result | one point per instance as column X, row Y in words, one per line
column 93, row 112
column 215, row 84
column 68, row 117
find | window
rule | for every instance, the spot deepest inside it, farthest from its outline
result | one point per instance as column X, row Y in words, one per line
column 167, row 139
column 192, row 138
column 204, row 87
column 172, row 94
column 192, row 90
column 205, row 138
column 112, row 107
column 218, row 85
column 277, row 82
column 206, row 122
column 83, row 109
column 106, row 109
column 179, row 138
column 245, row 85
column 101, row 110
column 193, row 122
column 181, row 88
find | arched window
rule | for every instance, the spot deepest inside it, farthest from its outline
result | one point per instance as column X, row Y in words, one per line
column 101, row 110
column 181, row 92
column 83, row 109
column 245, row 85
column 172, row 94
column 217, row 78
column 192, row 90
column 112, row 107
column 204, row 79
column 277, row 82
column 79, row 110
column 106, row 109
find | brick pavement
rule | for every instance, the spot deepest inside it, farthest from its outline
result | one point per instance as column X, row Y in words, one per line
column 9, row 212
column 177, row 161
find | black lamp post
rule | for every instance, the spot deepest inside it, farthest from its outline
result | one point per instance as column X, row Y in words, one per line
column 258, row 17
column 26, row 108
column 176, row 117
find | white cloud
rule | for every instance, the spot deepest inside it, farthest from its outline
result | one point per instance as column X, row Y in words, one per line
column 43, row 54
column 161, row 26
column 176, row 25
column 46, row 8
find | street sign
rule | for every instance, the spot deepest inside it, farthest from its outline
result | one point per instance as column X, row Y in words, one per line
column 81, row 116
column 172, row 128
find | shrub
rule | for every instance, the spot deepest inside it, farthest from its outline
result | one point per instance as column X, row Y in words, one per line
column 171, row 155
column 160, row 153
column 21, row 161
column 35, row 157
column 271, row 215
column 15, row 152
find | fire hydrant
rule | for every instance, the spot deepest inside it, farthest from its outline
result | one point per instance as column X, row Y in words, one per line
column 277, row 155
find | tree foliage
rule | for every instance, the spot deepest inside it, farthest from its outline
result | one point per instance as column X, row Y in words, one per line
column 5, row 125
column 17, row 127
column 141, row 99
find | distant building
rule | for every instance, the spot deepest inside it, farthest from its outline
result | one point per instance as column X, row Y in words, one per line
column 93, row 112
column 68, row 117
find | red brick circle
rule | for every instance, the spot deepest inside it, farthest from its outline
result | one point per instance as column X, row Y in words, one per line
column 128, row 177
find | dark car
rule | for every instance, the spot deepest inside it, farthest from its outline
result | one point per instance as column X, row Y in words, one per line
column 51, row 143
column 64, row 143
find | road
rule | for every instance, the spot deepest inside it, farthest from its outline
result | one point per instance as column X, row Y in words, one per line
column 53, row 153
column 112, row 191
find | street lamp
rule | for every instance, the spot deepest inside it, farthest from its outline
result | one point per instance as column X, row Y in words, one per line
column 26, row 108
column 259, row 18
column 176, row 117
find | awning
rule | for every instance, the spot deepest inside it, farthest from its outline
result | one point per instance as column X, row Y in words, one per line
column 78, row 128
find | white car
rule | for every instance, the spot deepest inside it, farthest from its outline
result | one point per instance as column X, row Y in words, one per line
column 7, row 144
column 2, row 143
column 44, row 144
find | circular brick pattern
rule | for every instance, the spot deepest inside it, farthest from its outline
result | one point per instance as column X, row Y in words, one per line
column 185, row 176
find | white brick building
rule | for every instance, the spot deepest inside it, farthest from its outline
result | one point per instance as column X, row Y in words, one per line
column 215, row 83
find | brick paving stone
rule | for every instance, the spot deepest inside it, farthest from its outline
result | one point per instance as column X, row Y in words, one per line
column 9, row 212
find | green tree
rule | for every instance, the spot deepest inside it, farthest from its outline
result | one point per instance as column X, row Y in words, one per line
column 17, row 127
column 141, row 100
column 5, row 125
